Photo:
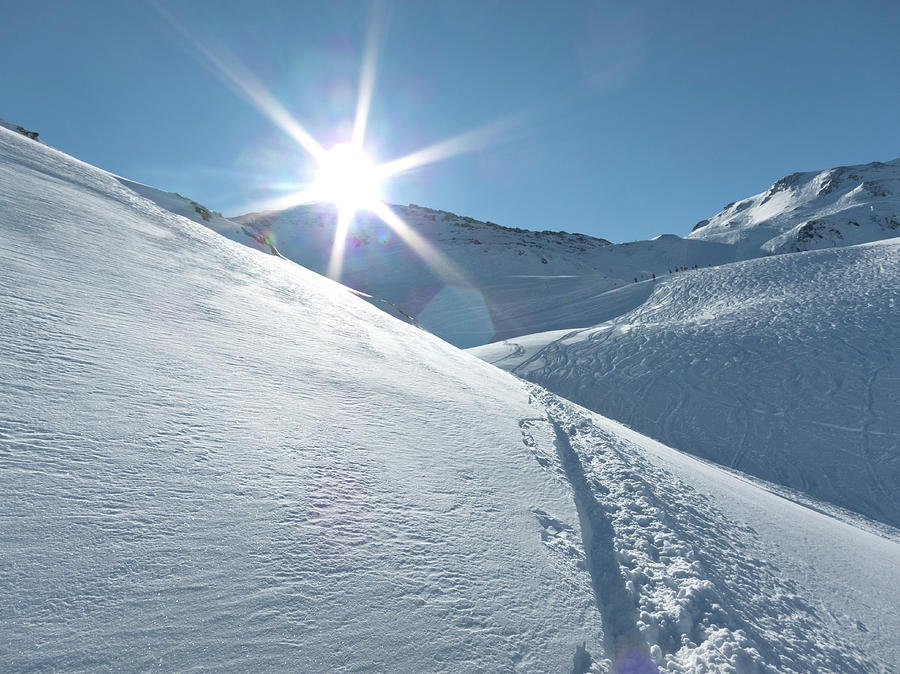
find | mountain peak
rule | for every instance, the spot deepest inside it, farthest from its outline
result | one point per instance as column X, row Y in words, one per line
column 810, row 210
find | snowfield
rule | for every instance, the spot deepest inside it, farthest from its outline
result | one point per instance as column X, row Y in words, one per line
column 212, row 458
column 783, row 367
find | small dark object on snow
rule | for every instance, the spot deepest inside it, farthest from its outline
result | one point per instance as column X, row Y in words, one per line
column 25, row 132
column 582, row 662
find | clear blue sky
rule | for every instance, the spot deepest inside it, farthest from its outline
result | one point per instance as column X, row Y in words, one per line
column 643, row 117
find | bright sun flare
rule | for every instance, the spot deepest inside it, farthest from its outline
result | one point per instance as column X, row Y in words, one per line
column 348, row 178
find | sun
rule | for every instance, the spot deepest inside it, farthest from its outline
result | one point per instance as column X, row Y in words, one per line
column 348, row 178
column 345, row 175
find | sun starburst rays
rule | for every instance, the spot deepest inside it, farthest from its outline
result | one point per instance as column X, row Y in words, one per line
column 246, row 84
column 367, row 74
column 445, row 149
column 336, row 261
column 346, row 176
column 439, row 263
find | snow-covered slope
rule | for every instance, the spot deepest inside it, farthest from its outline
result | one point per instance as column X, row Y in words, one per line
column 514, row 281
column 784, row 367
column 188, row 208
column 211, row 458
column 808, row 211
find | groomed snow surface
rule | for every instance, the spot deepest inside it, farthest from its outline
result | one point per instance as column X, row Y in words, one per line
column 213, row 458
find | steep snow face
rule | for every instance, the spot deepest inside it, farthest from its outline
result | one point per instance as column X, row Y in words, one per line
column 808, row 211
column 513, row 281
column 784, row 367
column 212, row 458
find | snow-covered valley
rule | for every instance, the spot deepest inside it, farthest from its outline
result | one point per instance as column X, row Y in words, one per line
column 213, row 458
column 516, row 282
column 512, row 282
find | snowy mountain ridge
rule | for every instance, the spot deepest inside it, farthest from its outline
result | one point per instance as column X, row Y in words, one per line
column 457, row 228
column 809, row 211
column 33, row 135
column 516, row 280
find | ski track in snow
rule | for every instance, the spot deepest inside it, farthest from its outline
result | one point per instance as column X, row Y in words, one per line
column 715, row 607
column 613, row 601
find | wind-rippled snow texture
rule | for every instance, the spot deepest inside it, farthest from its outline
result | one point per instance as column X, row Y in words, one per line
column 212, row 458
